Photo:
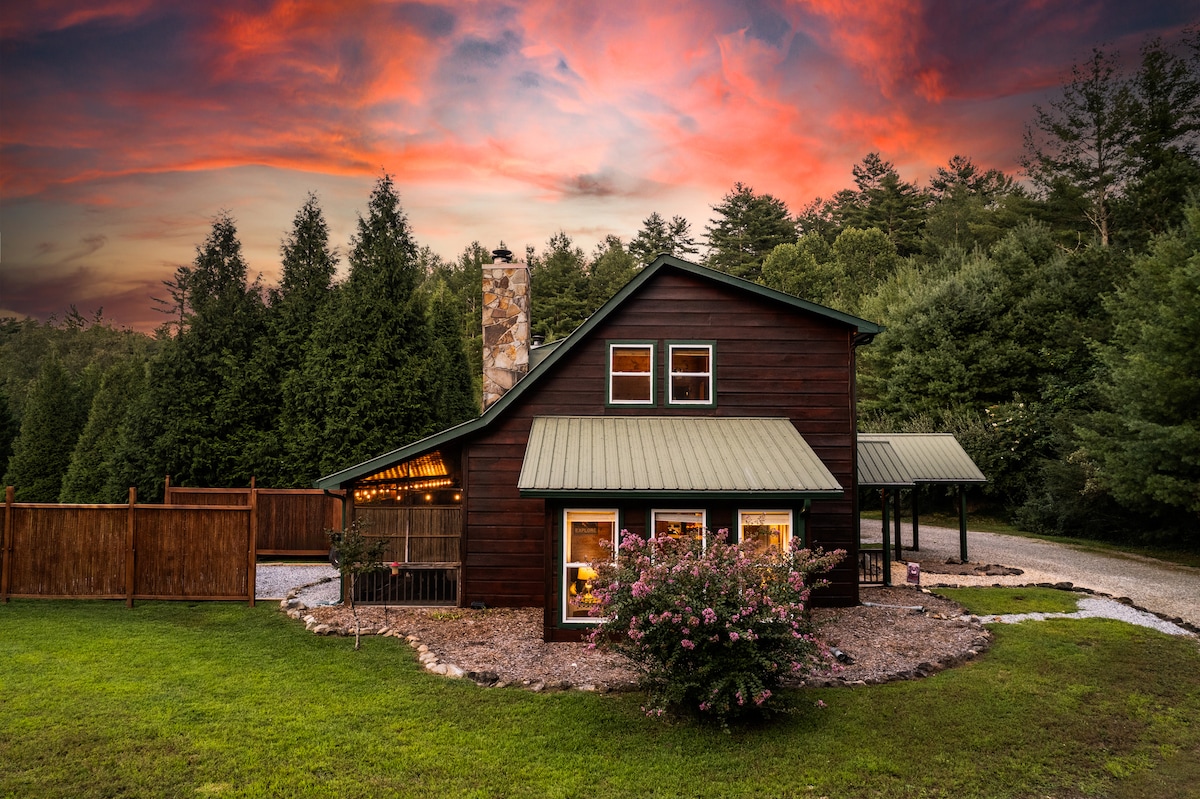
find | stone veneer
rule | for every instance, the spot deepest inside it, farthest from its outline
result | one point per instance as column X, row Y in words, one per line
column 505, row 327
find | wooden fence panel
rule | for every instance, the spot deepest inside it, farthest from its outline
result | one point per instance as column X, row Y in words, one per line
column 192, row 552
column 294, row 521
column 415, row 535
column 60, row 551
column 182, row 495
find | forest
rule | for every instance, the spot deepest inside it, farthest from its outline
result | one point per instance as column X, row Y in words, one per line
column 1048, row 319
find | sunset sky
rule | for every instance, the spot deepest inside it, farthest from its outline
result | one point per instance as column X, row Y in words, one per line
column 126, row 125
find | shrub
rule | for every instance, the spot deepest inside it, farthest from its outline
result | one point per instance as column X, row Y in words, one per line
column 711, row 630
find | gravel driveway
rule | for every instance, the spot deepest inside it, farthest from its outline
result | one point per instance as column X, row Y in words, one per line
column 1156, row 585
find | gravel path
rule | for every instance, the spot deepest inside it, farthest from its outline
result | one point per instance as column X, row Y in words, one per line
column 275, row 580
column 1156, row 585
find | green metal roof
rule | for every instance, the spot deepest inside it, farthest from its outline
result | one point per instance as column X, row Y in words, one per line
column 653, row 456
column 550, row 354
column 930, row 457
column 879, row 466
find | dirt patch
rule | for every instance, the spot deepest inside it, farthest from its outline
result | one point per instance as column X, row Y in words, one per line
column 958, row 567
column 886, row 638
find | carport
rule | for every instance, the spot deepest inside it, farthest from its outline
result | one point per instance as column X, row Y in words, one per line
column 892, row 462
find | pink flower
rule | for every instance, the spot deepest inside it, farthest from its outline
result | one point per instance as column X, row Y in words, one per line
column 686, row 644
column 733, row 636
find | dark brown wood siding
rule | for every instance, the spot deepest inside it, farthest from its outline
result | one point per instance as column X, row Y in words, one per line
column 772, row 360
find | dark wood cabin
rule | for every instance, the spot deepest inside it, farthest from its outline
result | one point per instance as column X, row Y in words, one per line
column 691, row 401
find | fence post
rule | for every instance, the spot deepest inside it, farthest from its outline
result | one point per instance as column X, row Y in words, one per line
column 6, row 546
column 130, row 552
column 167, row 491
column 252, row 534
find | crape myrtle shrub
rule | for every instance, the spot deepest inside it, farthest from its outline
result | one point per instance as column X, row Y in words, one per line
column 712, row 630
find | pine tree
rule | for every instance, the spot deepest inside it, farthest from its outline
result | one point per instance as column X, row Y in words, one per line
column 658, row 236
column 559, row 289
column 611, row 268
column 747, row 228
column 91, row 474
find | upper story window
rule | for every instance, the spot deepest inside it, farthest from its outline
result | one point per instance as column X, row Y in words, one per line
column 631, row 373
column 691, row 374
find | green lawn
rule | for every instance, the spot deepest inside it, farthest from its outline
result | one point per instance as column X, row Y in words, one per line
column 1000, row 601
column 217, row 700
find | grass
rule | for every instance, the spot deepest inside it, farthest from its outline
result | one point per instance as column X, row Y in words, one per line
column 1000, row 601
column 221, row 700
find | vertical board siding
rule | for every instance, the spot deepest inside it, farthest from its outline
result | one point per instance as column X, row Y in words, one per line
column 91, row 552
column 771, row 360
column 291, row 521
column 185, row 552
column 66, row 551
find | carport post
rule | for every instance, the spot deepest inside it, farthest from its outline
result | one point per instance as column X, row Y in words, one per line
column 962, row 522
column 896, row 521
column 916, row 533
column 887, row 544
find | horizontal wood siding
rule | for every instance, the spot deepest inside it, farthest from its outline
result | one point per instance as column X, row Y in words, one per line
column 771, row 361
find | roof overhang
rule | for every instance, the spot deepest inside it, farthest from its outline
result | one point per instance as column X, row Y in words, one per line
column 928, row 457
column 879, row 466
column 658, row 457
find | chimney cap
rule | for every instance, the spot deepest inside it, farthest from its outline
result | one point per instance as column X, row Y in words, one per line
column 502, row 256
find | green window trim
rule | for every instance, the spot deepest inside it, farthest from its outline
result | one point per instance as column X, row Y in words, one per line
column 623, row 386
column 691, row 369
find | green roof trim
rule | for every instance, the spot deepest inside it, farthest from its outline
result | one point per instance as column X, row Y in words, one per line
column 930, row 457
column 553, row 352
column 596, row 457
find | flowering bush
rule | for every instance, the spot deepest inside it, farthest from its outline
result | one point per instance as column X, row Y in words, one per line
column 713, row 630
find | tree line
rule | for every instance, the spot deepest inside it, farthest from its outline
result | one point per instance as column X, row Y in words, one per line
column 1048, row 322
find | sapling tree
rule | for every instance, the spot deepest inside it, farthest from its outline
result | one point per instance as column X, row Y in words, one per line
column 355, row 554
column 713, row 630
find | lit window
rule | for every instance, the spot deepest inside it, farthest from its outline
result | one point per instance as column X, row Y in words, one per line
column 762, row 530
column 679, row 524
column 583, row 532
column 631, row 374
column 691, row 380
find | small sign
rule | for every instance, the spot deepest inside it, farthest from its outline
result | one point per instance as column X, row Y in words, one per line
column 914, row 573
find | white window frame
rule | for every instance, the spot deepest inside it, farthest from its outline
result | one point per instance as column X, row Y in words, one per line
column 703, row 522
column 650, row 347
column 582, row 515
column 710, row 374
column 791, row 523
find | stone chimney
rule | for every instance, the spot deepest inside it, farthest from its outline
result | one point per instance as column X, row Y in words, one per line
column 505, row 325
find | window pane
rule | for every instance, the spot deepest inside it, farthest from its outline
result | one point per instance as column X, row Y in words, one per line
column 631, row 388
column 689, row 359
column 693, row 389
column 765, row 530
column 584, row 531
column 631, row 359
column 584, row 541
column 676, row 524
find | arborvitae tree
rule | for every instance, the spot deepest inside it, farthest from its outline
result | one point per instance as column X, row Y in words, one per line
column 464, row 279
column 747, row 228
column 366, row 369
column 1142, row 448
column 203, row 387
column 92, row 471
column 658, row 236
column 54, row 417
column 559, row 289
column 611, row 268
column 1081, row 139
column 454, row 399
column 8, row 430
column 304, row 294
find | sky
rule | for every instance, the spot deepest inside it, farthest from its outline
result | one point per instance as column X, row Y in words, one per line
column 126, row 126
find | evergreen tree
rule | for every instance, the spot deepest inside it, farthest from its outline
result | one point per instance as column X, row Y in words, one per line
column 8, row 430
column 1081, row 139
column 559, row 288
column 966, row 210
column 1143, row 447
column 454, row 398
column 611, row 268
column 885, row 202
column 54, row 417
column 658, row 236
column 747, row 228
column 90, row 477
column 366, row 369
